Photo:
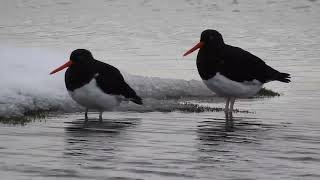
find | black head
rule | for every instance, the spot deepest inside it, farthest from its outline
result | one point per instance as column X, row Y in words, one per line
column 210, row 39
column 81, row 56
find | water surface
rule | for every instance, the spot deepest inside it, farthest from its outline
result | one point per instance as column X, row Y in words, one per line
column 272, row 138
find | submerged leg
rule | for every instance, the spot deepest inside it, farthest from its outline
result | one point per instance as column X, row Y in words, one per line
column 100, row 116
column 229, row 122
column 231, row 105
column 226, row 108
column 86, row 115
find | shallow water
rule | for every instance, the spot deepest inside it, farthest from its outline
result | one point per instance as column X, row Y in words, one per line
column 159, row 145
column 278, row 138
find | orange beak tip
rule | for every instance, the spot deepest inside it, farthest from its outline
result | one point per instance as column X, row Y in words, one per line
column 67, row 64
column 197, row 46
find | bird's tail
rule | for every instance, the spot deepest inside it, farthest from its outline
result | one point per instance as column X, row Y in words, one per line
column 283, row 77
column 136, row 100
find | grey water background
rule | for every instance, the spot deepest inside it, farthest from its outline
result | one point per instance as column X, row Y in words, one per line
column 278, row 139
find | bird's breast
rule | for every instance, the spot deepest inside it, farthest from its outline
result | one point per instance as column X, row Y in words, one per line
column 207, row 69
column 75, row 78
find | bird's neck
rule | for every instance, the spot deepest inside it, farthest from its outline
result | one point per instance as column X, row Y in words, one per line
column 77, row 76
column 81, row 72
column 207, row 61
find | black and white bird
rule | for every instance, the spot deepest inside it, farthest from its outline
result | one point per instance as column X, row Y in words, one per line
column 94, row 84
column 230, row 71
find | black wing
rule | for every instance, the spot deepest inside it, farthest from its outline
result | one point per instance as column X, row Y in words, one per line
column 240, row 65
column 111, row 81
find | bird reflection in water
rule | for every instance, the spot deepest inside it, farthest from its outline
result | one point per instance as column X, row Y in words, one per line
column 95, row 139
column 227, row 129
column 111, row 126
column 216, row 129
column 229, row 122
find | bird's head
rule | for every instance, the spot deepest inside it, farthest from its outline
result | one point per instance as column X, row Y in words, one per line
column 81, row 57
column 209, row 38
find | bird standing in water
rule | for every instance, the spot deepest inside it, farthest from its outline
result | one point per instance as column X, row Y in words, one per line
column 230, row 71
column 94, row 84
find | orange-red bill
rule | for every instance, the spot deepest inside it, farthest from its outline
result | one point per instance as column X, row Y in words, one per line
column 197, row 46
column 67, row 64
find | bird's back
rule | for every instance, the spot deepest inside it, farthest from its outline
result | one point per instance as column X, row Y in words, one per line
column 111, row 81
column 240, row 65
column 107, row 77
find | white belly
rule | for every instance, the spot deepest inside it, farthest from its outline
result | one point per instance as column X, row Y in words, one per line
column 92, row 97
column 225, row 87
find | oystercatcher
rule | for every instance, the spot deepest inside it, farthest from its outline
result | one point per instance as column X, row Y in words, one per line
column 230, row 71
column 94, row 84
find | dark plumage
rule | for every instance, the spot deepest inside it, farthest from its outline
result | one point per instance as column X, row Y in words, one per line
column 231, row 71
column 109, row 78
column 94, row 84
column 233, row 62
